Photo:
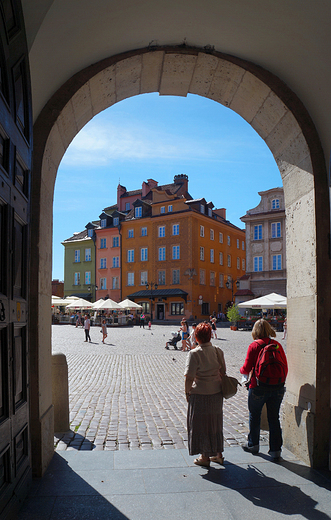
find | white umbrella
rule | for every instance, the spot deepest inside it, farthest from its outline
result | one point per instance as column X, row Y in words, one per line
column 98, row 304
column 110, row 305
column 269, row 301
column 80, row 304
column 128, row 304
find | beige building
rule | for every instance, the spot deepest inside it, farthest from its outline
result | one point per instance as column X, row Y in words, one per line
column 266, row 244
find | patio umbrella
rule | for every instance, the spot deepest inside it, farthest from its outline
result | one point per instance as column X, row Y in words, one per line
column 98, row 303
column 269, row 301
column 129, row 305
column 80, row 304
column 110, row 305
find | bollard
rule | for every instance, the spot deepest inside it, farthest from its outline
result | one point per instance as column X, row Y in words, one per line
column 60, row 392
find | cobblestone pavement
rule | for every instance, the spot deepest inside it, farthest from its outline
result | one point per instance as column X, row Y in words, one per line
column 129, row 393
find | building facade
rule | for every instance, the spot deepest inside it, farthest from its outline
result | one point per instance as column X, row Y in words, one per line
column 266, row 244
column 79, row 265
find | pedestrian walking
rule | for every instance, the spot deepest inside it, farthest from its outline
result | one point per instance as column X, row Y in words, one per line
column 104, row 330
column 267, row 380
column 142, row 321
column 185, row 333
column 87, row 326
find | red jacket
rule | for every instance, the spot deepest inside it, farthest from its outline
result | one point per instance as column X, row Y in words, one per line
column 252, row 355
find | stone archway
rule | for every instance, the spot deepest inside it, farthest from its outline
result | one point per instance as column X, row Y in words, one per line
column 282, row 121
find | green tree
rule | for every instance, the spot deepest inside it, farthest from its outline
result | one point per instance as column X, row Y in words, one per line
column 233, row 314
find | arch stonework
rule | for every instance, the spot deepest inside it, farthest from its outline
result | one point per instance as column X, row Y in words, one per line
column 282, row 121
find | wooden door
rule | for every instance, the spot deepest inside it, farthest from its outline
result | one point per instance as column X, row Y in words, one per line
column 15, row 172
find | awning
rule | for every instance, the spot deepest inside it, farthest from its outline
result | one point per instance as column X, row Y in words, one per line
column 159, row 293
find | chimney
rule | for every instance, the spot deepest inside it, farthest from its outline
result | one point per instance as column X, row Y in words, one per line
column 183, row 180
column 120, row 191
column 221, row 212
column 147, row 186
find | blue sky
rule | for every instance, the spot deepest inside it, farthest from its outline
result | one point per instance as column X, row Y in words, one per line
column 152, row 136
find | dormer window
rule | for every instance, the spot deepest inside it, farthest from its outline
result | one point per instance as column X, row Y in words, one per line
column 202, row 209
column 90, row 233
column 138, row 211
column 275, row 204
column 116, row 221
column 210, row 213
column 103, row 222
column 127, row 206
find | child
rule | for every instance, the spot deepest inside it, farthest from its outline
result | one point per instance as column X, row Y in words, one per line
column 104, row 330
column 191, row 340
column 149, row 325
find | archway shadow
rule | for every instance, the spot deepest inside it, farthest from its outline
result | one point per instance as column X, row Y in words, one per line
column 69, row 489
column 75, row 440
column 257, row 484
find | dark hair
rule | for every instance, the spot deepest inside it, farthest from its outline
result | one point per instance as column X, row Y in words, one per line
column 203, row 332
column 194, row 324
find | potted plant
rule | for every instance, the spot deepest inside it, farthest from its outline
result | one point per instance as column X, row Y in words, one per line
column 233, row 316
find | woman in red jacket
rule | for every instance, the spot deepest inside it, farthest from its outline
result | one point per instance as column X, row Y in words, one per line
column 258, row 394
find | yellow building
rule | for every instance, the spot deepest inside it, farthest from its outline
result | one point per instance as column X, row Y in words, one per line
column 178, row 254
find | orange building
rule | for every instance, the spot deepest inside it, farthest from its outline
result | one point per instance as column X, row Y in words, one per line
column 184, row 247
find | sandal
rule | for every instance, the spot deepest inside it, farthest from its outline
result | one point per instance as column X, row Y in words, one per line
column 202, row 462
column 218, row 460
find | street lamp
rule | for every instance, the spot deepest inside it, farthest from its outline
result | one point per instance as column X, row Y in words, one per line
column 155, row 286
column 230, row 283
column 91, row 286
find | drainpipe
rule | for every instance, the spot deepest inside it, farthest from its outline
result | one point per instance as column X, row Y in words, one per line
column 120, row 277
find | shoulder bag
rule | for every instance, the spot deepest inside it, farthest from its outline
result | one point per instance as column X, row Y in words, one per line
column 229, row 384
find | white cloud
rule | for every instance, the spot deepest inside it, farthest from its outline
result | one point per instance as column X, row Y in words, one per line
column 100, row 144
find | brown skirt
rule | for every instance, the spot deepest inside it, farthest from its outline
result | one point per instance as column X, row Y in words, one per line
column 205, row 424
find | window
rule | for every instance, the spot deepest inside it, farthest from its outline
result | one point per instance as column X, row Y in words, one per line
column 258, row 232
column 202, row 277
column 103, row 283
column 162, row 253
column 175, row 252
column 116, row 221
column 161, row 231
column 229, row 260
column 87, row 277
column 221, row 258
column 258, row 263
column 238, row 243
column 210, row 213
column 144, row 231
column 205, row 309
column 175, row 276
column 212, row 256
column 145, row 307
column 143, row 277
column 130, row 278
column 130, row 255
column 90, row 233
column 138, row 211
column 161, row 277
column 116, row 241
column 275, row 230
column 243, row 264
column 229, row 240
column 211, row 234
column 276, row 262
column 238, row 262
column 88, row 254
column 162, row 210
column 243, row 245
column 175, row 229
column 116, row 261
column 115, row 282
column 103, row 243
column 77, row 279
column 103, row 263
column 144, row 254
column 275, row 204
column 220, row 238
column 202, row 209
column 202, row 253
column 127, row 206
column 202, row 231
column 177, row 308
column 170, row 208
column 77, row 255
column 221, row 280
column 212, row 278
column 130, row 233
column 103, row 222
